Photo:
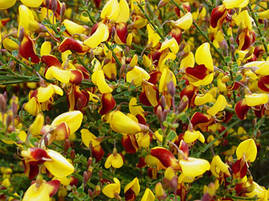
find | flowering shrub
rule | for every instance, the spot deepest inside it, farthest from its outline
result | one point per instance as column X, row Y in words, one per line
column 134, row 100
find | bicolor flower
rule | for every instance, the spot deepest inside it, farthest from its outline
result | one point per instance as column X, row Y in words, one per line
column 73, row 28
column 153, row 37
column 165, row 156
column 27, row 20
column 112, row 190
column 131, row 190
column 73, row 45
column 27, row 49
column 56, row 164
column 41, row 190
column 98, row 78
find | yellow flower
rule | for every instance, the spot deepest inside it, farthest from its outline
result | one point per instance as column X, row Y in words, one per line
column 184, row 22
column 112, row 190
column 229, row 4
column 191, row 136
column 37, row 125
column 123, row 124
column 137, row 75
column 243, row 20
column 256, row 99
column 159, row 191
column 89, row 138
column 73, row 119
column 45, row 48
column 10, row 44
column 98, row 78
column 187, row 61
column 100, row 35
column 73, row 28
column 115, row 160
column 62, row 75
column 42, row 191
column 153, row 37
column 167, row 76
column 201, row 100
column 247, row 149
column 134, row 108
column 219, row 105
column 45, row 93
column 217, row 166
column 58, row 166
column 148, row 195
column 27, row 20
column 171, row 44
column 5, row 4
column 32, row 3
column 193, row 167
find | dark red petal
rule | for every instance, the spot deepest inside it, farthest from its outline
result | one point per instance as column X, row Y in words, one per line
column 55, row 184
column 199, row 71
column 241, row 109
column 51, row 60
column 73, row 45
column 108, row 103
column 27, row 49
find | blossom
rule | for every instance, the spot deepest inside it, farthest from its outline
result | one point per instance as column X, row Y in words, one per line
column 112, row 190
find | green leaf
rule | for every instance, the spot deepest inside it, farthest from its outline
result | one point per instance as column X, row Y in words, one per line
column 171, row 135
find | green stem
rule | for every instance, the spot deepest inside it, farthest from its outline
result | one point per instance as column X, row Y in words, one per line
column 113, row 54
column 258, row 28
column 150, row 21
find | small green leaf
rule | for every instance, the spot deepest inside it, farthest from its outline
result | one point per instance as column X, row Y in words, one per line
column 171, row 135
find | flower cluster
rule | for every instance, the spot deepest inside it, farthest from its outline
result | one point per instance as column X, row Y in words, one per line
column 134, row 100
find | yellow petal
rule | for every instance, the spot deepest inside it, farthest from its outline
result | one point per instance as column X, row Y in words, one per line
column 148, row 195
column 191, row 136
column 62, row 75
column 110, row 70
column 171, row 44
column 111, row 10
column 5, row 4
column 137, row 75
column 218, row 166
column 45, row 48
column 203, row 56
column 111, row 189
column 153, row 37
column 88, row 138
column 167, row 76
column 32, row 3
column 169, row 173
column 229, row 4
column 248, row 149
column 41, row 193
column 187, row 61
column 134, row 185
column 37, row 125
column 256, row 99
column 98, row 78
column 134, row 108
column 72, row 119
column 184, row 22
column 100, row 35
column 58, row 166
column 201, row 100
column 159, row 191
column 194, row 167
column 10, row 44
column 44, row 93
column 243, row 20
column 32, row 106
column 219, row 105
column 207, row 80
column 57, row 89
column 264, row 14
column 27, row 20
column 124, row 11
column 121, row 123
column 73, row 28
